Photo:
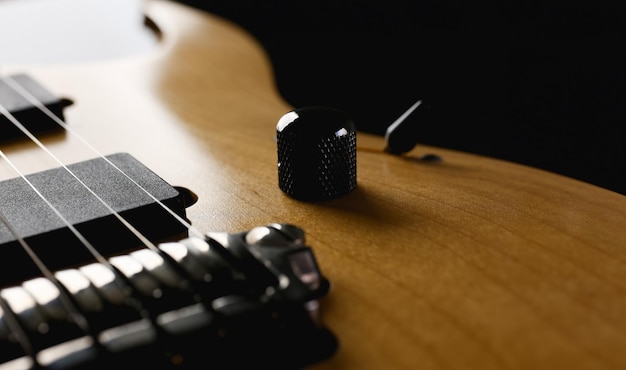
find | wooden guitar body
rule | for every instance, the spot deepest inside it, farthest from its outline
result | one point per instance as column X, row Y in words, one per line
column 467, row 263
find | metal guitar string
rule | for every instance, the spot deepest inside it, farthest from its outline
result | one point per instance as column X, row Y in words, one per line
column 74, row 312
column 88, row 245
column 130, row 227
column 92, row 249
column 28, row 96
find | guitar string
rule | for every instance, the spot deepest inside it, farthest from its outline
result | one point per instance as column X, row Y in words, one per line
column 11, row 82
column 82, row 239
column 74, row 313
column 38, row 262
column 33, row 138
column 72, row 310
column 90, row 247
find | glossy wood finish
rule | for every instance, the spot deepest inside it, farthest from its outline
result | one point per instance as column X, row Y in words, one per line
column 467, row 263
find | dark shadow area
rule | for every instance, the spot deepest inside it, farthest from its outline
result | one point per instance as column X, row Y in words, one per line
column 541, row 83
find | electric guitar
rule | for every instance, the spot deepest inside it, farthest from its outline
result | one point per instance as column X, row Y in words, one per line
column 469, row 262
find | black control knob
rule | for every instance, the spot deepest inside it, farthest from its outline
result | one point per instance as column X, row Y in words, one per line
column 316, row 153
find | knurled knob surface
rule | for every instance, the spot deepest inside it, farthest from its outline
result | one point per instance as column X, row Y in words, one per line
column 316, row 153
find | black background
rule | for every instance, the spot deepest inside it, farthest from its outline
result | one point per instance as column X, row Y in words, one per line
column 541, row 83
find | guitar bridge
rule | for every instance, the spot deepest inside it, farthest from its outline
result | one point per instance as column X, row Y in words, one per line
column 226, row 301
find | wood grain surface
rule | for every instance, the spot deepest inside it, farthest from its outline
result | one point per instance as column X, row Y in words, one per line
column 467, row 263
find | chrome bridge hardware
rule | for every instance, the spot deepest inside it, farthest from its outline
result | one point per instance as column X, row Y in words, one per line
column 228, row 300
